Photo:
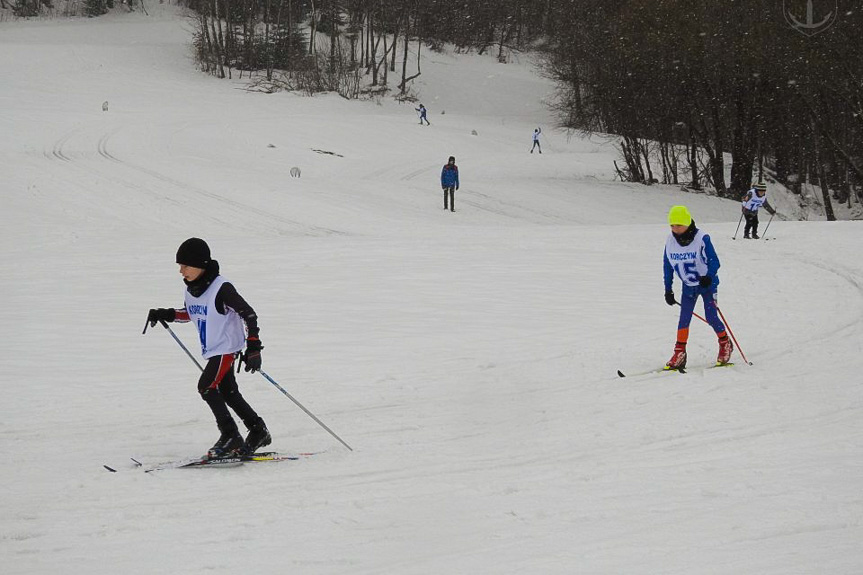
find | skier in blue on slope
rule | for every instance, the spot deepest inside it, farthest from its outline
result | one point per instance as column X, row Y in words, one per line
column 422, row 112
column 690, row 255
column 449, row 183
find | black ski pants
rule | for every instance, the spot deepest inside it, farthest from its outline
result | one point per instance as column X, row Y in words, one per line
column 218, row 387
column 751, row 223
column 449, row 198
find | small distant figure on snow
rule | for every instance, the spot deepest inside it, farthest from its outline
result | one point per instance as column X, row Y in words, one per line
column 536, row 134
column 423, row 112
column 752, row 201
column 295, row 172
column 689, row 254
column 449, row 183
column 105, row 106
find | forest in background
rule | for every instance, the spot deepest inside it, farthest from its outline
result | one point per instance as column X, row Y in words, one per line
column 687, row 87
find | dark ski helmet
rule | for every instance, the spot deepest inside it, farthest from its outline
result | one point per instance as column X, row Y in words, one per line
column 194, row 252
column 451, row 159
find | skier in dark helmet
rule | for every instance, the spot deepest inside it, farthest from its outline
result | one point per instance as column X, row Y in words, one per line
column 449, row 183
column 219, row 312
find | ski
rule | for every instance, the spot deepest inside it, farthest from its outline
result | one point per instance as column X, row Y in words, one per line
column 204, row 461
column 669, row 370
column 239, row 460
column 651, row 371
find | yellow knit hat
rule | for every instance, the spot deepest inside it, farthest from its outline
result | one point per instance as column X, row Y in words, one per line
column 679, row 216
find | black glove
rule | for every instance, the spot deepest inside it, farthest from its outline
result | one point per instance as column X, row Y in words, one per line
column 161, row 314
column 252, row 357
column 669, row 298
column 705, row 281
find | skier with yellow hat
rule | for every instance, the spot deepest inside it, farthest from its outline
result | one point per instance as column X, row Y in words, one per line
column 690, row 255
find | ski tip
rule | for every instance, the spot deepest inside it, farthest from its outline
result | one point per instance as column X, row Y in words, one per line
column 111, row 469
column 620, row 373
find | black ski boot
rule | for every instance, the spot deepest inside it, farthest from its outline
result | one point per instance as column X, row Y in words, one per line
column 229, row 442
column 259, row 436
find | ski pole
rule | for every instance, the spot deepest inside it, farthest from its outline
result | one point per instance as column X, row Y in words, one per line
column 738, row 226
column 268, row 378
column 300, row 405
column 180, row 343
column 764, row 233
column 728, row 327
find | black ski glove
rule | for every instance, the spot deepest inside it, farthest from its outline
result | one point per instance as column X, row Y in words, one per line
column 252, row 357
column 669, row 298
column 705, row 281
column 161, row 314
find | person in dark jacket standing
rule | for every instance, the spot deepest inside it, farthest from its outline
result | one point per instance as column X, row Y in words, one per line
column 219, row 314
column 449, row 183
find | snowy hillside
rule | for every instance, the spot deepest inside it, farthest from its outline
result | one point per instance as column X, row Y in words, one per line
column 469, row 358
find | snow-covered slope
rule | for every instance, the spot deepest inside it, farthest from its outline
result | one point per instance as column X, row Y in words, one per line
column 469, row 358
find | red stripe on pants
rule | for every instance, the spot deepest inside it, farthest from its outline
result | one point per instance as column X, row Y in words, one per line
column 225, row 365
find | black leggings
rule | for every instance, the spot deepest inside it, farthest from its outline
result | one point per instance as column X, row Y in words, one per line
column 451, row 191
column 751, row 223
column 218, row 387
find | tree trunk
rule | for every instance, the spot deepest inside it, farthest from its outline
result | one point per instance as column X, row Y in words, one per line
column 395, row 42
column 742, row 154
column 692, row 159
column 313, row 28
column 267, row 47
column 404, row 83
column 825, row 191
column 217, row 37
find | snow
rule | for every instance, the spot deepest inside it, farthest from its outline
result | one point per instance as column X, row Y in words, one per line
column 469, row 358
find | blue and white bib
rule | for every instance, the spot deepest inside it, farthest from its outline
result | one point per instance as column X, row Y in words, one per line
column 754, row 202
column 219, row 334
column 689, row 262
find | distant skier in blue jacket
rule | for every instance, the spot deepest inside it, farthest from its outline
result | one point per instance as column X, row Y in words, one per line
column 449, row 183
column 422, row 112
column 690, row 255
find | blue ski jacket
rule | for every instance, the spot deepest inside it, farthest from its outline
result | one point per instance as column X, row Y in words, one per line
column 449, row 176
